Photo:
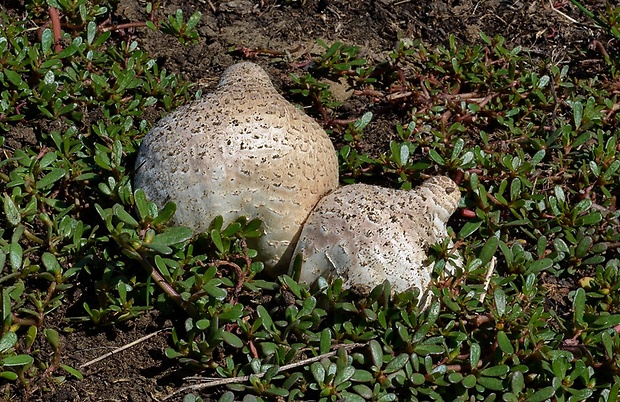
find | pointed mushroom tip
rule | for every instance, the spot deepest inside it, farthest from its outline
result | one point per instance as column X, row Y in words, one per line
column 445, row 192
column 244, row 74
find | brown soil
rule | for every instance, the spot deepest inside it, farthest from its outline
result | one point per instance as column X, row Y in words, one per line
column 136, row 374
column 261, row 31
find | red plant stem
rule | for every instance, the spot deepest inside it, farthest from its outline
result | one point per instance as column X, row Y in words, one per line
column 56, row 28
column 458, row 177
column 342, row 122
column 599, row 46
column 167, row 288
column 369, row 92
column 25, row 321
column 468, row 213
column 238, row 271
column 251, row 52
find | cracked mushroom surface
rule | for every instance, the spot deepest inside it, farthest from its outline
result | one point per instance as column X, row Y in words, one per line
column 242, row 150
column 366, row 234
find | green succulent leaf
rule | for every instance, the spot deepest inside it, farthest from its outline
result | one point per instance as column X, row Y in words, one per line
column 232, row 339
column 8, row 375
column 318, row 372
column 396, row 363
column 504, row 343
column 172, row 236
column 16, row 361
column 124, row 216
column 7, row 341
column 376, row 353
column 76, row 373
column 10, row 211
column 489, row 249
column 166, row 213
column 542, row 395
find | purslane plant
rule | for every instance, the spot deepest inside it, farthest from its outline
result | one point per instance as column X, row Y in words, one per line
column 535, row 149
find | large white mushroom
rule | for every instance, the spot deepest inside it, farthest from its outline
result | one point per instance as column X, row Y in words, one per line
column 366, row 234
column 242, row 150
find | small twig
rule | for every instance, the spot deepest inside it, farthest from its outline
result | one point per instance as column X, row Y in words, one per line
column 253, row 52
column 56, row 28
column 486, row 99
column 212, row 6
column 574, row 21
column 233, row 380
column 123, row 26
column 398, row 95
column 471, row 96
column 487, row 278
column 118, row 350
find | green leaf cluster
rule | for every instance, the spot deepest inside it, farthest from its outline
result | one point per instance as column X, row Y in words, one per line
column 533, row 315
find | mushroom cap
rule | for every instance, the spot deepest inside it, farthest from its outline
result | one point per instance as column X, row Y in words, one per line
column 366, row 234
column 242, row 150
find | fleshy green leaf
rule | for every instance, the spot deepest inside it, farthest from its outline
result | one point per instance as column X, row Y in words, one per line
column 344, row 374
column 489, row 249
column 396, row 363
column 52, row 177
column 8, row 341
column 376, row 353
column 232, row 339
column 72, row 371
column 124, row 216
column 10, row 211
column 15, row 255
column 217, row 240
column 51, row 335
column 16, row 360
column 50, row 263
column 165, row 214
column 469, row 228
column 172, row 236
column 325, row 341
column 496, row 371
column 542, row 395
column 579, row 305
column 504, row 343
column 318, row 372
column 474, row 354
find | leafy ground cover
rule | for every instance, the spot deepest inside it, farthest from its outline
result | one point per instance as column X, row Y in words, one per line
column 531, row 136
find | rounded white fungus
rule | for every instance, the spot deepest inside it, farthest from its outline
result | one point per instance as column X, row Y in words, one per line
column 242, row 150
column 366, row 234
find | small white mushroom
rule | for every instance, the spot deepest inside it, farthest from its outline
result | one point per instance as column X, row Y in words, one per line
column 366, row 234
column 242, row 150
